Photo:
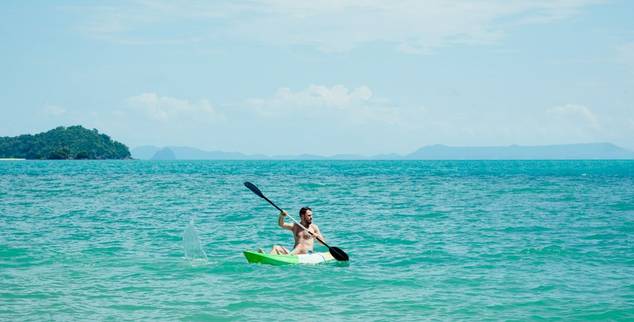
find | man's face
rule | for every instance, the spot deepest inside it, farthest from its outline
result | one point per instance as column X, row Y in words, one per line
column 308, row 217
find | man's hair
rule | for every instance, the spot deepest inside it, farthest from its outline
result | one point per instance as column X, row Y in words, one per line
column 304, row 210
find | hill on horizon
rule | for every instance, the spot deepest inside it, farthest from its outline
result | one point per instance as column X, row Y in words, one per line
column 577, row 151
column 63, row 143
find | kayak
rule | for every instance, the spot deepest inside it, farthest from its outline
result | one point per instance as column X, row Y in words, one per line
column 260, row 258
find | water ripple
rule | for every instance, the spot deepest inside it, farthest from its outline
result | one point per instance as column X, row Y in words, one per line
column 445, row 240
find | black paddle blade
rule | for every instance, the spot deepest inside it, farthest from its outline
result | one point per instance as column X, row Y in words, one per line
column 338, row 254
column 253, row 188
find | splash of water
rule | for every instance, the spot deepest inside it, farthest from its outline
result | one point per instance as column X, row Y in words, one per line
column 194, row 252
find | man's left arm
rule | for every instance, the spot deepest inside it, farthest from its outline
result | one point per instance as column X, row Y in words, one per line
column 318, row 233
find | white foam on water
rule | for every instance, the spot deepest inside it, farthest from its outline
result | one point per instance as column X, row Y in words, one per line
column 194, row 252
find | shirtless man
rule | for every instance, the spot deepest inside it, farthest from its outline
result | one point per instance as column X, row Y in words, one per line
column 303, row 241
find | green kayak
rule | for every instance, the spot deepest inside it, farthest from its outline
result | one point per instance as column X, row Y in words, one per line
column 260, row 258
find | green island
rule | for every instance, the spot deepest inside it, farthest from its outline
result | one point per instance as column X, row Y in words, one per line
column 63, row 143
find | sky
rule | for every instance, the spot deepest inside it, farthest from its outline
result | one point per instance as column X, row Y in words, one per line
column 321, row 76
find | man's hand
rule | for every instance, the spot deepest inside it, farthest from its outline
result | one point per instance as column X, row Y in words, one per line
column 281, row 223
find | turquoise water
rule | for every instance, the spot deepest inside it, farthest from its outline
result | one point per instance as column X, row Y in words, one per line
column 103, row 240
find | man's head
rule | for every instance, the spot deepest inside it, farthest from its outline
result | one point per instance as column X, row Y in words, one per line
column 306, row 215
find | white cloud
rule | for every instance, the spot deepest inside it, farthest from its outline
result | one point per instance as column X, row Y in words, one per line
column 317, row 95
column 336, row 104
column 410, row 25
column 578, row 114
column 54, row 110
column 168, row 109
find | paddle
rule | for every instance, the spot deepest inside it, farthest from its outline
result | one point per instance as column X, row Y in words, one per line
column 336, row 252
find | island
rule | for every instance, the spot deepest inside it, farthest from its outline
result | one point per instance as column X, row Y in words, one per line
column 63, row 143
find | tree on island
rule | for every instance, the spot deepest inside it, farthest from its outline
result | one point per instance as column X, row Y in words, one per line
column 63, row 143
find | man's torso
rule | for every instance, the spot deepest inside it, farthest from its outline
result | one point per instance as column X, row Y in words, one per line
column 304, row 242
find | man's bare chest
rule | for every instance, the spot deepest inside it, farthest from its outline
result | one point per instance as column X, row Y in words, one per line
column 301, row 234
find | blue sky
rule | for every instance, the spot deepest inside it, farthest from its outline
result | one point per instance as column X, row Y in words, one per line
column 326, row 77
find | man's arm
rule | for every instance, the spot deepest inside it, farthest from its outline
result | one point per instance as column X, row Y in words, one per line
column 281, row 223
column 318, row 233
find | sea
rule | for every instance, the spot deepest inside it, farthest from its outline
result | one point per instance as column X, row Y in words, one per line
column 428, row 240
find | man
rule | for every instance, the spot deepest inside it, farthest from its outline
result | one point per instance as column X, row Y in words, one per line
column 304, row 241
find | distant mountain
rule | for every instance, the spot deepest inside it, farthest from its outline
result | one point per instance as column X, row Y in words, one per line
column 432, row 152
column 73, row 142
column 187, row 153
column 149, row 152
column 299, row 157
column 348, row 157
column 164, row 154
column 389, row 156
column 145, row 152
column 517, row 152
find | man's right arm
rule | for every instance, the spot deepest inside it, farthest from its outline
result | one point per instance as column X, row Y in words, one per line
column 281, row 223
